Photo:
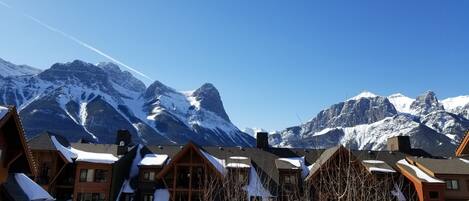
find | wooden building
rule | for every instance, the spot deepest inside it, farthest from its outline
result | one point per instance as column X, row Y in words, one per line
column 55, row 170
column 193, row 172
column 16, row 161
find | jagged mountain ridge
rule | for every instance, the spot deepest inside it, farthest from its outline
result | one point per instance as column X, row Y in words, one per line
column 9, row 69
column 83, row 100
column 367, row 120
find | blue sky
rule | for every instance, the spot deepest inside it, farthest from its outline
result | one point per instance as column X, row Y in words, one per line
column 276, row 63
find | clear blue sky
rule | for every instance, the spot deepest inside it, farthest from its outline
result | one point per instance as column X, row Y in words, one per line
column 273, row 61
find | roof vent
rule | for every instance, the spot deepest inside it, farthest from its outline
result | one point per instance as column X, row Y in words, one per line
column 240, row 147
column 369, row 152
column 160, row 147
column 220, row 148
column 180, row 147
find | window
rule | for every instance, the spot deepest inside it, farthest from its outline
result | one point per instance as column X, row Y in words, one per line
column 87, row 175
column 148, row 197
column 149, row 176
column 100, row 176
column 83, row 173
column 90, row 197
column 452, row 184
column 290, row 179
column 434, row 195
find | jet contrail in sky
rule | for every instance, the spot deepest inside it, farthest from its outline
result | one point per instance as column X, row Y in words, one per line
column 78, row 41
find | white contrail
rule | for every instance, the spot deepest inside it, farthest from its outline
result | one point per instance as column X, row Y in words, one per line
column 78, row 41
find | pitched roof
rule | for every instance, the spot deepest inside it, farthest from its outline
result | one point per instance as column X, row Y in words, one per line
column 441, row 166
column 12, row 115
column 416, row 173
column 44, row 142
column 96, row 148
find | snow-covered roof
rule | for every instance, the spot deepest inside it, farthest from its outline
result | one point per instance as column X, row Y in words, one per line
column 255, row 186
column 93, row 157
column 237, row 165
column 464, row 160
column 378, row 166
column 161, row 195
column 239, row 158
column 31, row 189
column 298, row 163
column 65, row 151
column 3, row 111
column 153, row 159
column 419, row 173
column 219, row 164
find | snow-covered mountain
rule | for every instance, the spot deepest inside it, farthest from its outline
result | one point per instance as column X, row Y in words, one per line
column 367, row 120
column 9, row 69
column 85, row 101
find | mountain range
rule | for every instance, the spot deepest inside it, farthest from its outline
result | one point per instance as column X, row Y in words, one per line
column 84, row 101
column 367, row 120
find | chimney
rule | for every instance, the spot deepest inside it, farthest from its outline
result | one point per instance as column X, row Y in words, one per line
column 399, row 144
column 123, row 140
column 262, row 140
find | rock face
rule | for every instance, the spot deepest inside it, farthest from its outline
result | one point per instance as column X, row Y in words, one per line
column 86, row 101
column 367, row 121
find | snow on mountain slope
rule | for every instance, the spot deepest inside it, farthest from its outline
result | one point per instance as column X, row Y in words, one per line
column 457, row 105
column 367, row 121
column 253, row 131
column 9, row 69
column 401, row 103
column 92, row 102
column 455, row 102
column 364, row 94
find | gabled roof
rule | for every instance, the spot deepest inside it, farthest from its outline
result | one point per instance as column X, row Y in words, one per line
column 44, row 142
column 463, row 147
column 415, row 174
column 453, row 166
column 325, row 157
column 96, row 148
column 12, row 115
column 189, row 146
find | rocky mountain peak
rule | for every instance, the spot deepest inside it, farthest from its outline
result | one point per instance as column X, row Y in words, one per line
column 156, row 89
column 364, row 94
column 356, row 111
column 122, row 78
column 77, row 72
column 210, row 99
column 426, row 103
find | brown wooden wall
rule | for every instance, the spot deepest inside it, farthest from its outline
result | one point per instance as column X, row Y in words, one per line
column 92, row 187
